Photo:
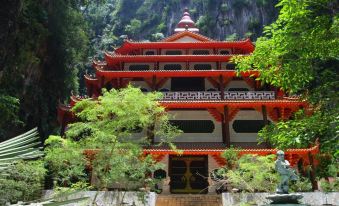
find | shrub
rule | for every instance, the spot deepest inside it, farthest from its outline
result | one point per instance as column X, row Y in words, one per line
column 23, row 182
column 254, row 174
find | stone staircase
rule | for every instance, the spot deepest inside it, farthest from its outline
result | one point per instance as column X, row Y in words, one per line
column 188, row 200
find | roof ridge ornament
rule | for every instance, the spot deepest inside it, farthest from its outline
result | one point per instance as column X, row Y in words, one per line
column 186, row 23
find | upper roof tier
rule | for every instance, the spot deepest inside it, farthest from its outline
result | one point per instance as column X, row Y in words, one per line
column 186, row 23
column 200, row 42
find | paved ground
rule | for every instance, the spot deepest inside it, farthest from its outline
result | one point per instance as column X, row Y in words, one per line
column 189, row 200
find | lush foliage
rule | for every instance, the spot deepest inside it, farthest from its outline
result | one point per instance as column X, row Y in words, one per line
column 304, row 33
column 43, row 46
column 299, row 54
column 105, row 134
column 253, row 174
column 24, row 181
column 302, row 132
column 332, row 186
column 9, row 107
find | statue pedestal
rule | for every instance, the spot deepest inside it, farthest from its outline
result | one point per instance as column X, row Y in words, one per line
column 285, row 199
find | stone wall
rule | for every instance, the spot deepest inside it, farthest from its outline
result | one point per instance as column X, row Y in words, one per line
column 105, row 198
column 310, row 198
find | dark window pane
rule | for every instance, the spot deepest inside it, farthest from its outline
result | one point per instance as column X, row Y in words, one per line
column 172, row 67
column 149, row 53
column 224, row 52
column 201, row 52
column 248, row 126
column 139, row 67
column 187, row 84
column 174, row 52
column 238, row 89
column 202, row 67
column 230, row 66
column 194, row 126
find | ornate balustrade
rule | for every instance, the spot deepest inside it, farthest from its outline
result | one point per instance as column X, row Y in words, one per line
column 215, row 95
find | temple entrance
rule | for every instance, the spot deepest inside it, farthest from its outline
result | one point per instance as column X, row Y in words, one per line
column 188, row 84
column 188, row 174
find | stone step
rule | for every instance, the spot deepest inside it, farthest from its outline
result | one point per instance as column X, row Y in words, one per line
column 189, row 200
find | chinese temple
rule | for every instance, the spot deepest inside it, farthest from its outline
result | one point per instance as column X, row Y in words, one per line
column 215, row 107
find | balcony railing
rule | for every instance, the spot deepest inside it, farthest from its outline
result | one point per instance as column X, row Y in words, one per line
column 215, row 95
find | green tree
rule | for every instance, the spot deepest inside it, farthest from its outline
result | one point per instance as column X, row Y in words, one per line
column 305, row 33
column 133, row 28
column 299, row 54
column 105, row 133
column 9, row 107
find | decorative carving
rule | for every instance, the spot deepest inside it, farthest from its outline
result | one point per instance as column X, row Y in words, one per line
column 229, row 95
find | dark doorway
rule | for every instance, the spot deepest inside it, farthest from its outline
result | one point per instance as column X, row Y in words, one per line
column 188, row 174
column 188, row 84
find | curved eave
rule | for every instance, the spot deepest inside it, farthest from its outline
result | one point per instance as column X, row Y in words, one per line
column 174, row 73
column 232, row 103
column 63, row 110
column 90, row 80
column 99, row 64
column 75, row 99
column 211, row 151
column 128, row 46
column 111, row 59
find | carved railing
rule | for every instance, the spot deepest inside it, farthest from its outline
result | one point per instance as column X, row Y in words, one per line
column 215, row 95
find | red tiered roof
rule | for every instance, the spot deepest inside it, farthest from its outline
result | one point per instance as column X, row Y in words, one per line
column 292, row 155
column 129, row 46
column 171, row 73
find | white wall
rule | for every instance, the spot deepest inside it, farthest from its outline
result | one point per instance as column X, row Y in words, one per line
column 186, row 39
column 245, row 115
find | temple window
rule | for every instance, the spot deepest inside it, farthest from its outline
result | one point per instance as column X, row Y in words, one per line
column 224, row 52
column 248, row 126
column 194, row 126
column 201, row 52
column 139, row 67
column 230, row 66
column 164, row 90
column 202, row 67
column 173, row 52
column 150, row 53
column 238, row 89
column 211, row 90
column 172, row 67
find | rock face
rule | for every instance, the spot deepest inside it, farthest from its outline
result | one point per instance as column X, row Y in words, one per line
column 217, row 19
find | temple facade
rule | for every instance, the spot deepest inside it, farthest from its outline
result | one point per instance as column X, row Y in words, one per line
column 213, row 106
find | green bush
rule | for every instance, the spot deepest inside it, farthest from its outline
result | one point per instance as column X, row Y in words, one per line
column 327, row 186
column 251, row 173
column 23, row 182
column 254, row 174
column 302, row 185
